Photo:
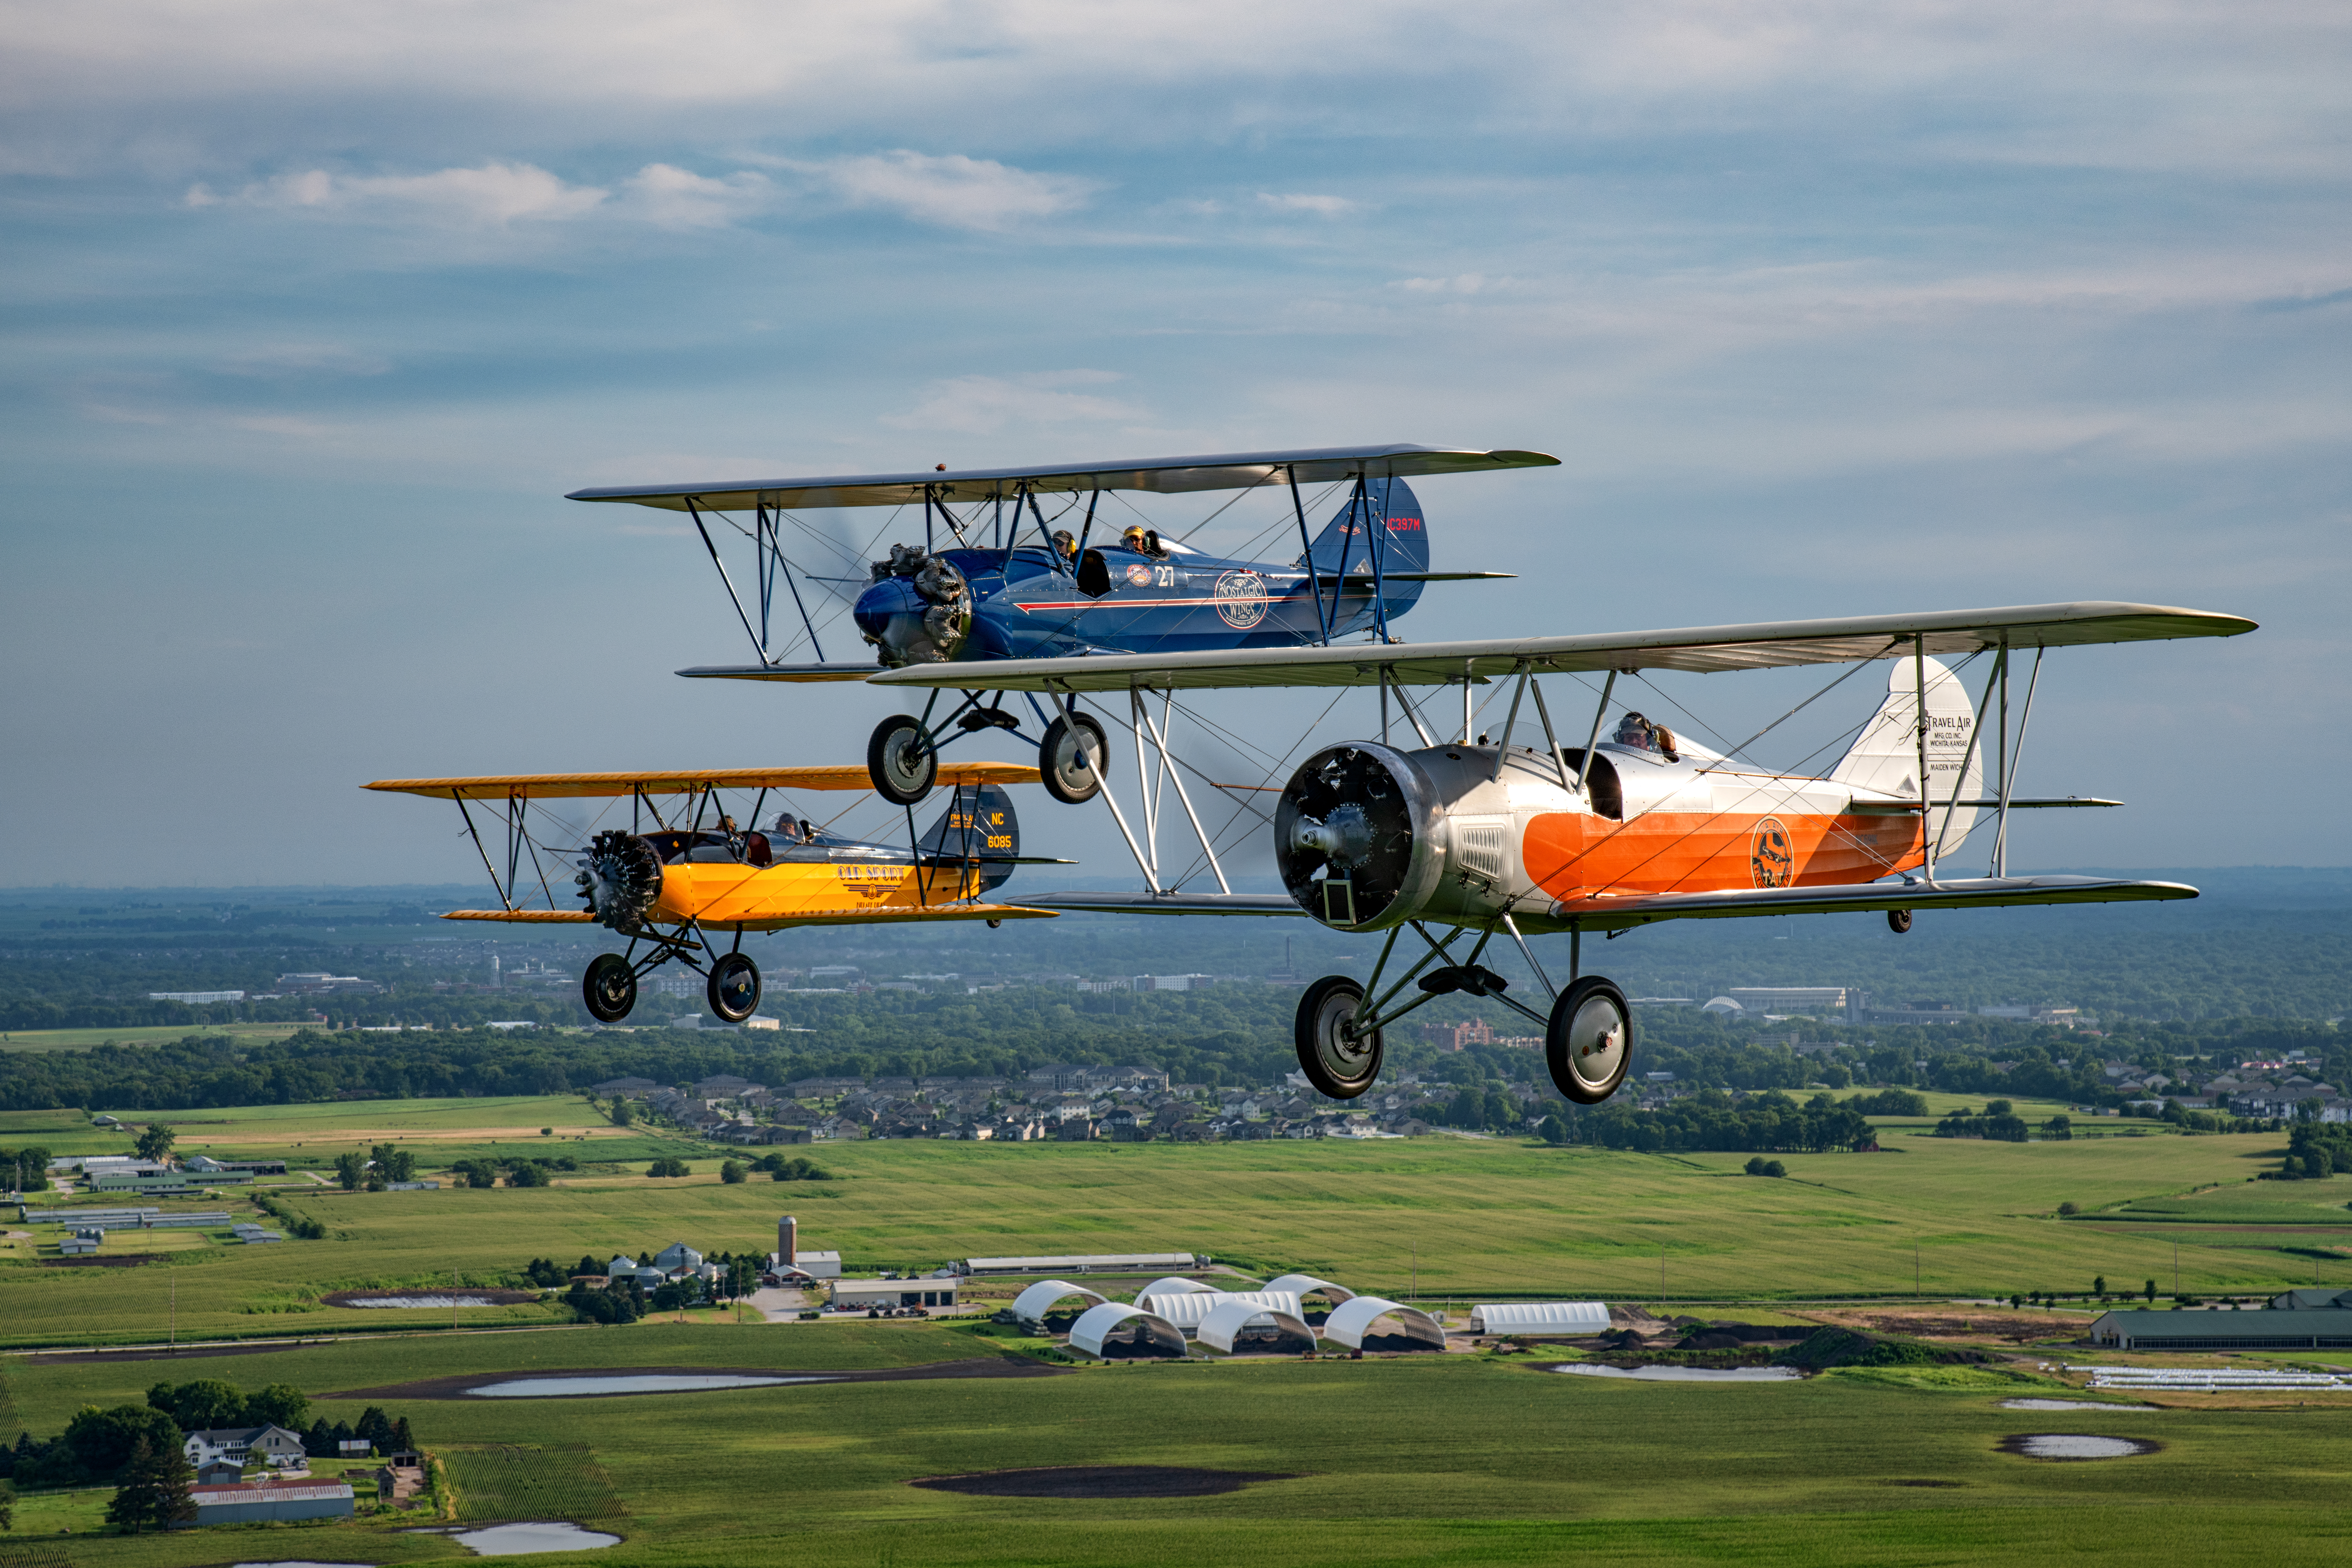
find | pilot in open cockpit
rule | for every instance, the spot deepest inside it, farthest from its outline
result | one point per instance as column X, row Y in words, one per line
column 1133, row 539
column 1066, row 549
column 1639, row 733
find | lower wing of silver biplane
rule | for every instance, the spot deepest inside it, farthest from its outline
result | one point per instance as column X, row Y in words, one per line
column 669, row 886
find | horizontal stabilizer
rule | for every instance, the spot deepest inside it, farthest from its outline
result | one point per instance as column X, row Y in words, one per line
column 1170, row 903
column 1852, row 897
column 574, row 786
column 1989, row 802
column 1364, row 579
column 799, row 674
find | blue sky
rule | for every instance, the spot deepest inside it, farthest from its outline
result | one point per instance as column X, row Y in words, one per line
column 313, row 311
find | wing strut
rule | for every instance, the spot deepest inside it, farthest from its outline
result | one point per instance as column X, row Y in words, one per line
column 1315, row 583
column 2014, row 754
column 758, row 646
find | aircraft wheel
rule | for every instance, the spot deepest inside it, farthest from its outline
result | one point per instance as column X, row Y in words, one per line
column 1899, row 922
column 1337, row 1061
column 734, row 988
column 609, row 988
column 899, row 760
column 1067, row 776
column 1590, row 1040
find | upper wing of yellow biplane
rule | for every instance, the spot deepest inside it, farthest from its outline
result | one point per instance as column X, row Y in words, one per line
column 1699, row 648
column 563, row 786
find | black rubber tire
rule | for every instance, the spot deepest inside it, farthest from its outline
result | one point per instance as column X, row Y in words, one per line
column 1336, row 1066
column 1062, row 766
column 899, row 760
column 1899, row 922
column 1581, row 1030
column 733, row 986
column 609, row 989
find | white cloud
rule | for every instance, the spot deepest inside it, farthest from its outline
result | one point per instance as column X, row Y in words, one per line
column 671, row 197
column 953, row 190
column 984, row 405
column 1300, row 201
column 1460, row 283
column 495, row 194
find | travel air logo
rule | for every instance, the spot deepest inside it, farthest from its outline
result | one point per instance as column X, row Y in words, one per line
column 1241, row 599
column 1774, row 860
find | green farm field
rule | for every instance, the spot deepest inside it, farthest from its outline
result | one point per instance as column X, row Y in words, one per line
column 1459, row 1459
column 82, row 1039
column 1441, row 1217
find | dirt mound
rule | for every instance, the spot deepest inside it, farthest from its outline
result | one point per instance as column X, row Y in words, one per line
column 1829, row 1347
column 1099, row 1481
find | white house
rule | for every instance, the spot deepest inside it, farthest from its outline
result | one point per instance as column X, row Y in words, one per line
column 272, row 1446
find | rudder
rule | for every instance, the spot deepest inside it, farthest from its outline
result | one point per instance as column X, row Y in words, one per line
column 1884, row 758
column 979, row 821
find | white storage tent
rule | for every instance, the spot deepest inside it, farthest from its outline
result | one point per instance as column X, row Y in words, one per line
column 1542, row 1318
column 1098, row 1325
column 1166, row 1287
column 1236, row 1314
column 1032, row 1305
column 1307, row 1285
column 1188, row 1309
column 1353, row 1317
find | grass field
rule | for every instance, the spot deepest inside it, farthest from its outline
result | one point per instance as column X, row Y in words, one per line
column 82, row 1039
column 1428, row 1460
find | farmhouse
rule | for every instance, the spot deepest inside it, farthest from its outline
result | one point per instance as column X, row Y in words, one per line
column 270, row 1444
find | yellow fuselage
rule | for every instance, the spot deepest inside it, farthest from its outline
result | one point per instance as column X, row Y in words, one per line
column 804, row 893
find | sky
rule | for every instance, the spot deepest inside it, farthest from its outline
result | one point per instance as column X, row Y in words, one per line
column 313, row 311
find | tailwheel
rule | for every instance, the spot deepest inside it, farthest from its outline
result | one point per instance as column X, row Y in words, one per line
column 609, row 988
column 1062, row 765
column 900, row 761
column 734, row 988
column 1590, row 1041
column 1899, row 922
column 1337, row 1060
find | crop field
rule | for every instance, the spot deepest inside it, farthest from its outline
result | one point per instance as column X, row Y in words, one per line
column 82, row 1039
column 1458, row 1460
column 1439, row 1218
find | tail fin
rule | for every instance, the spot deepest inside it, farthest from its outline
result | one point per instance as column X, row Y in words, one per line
column 978, row 822
column 1346, row 542
column 1884, row 758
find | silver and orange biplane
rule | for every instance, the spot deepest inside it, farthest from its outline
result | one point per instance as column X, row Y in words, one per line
column 1479, row 833
column 668, row 884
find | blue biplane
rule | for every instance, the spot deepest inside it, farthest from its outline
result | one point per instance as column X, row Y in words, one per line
column 1011, row 583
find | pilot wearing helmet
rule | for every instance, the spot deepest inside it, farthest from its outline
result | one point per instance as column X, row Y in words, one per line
column 1134, row 539
column 1639, row 733
column 1065, row 549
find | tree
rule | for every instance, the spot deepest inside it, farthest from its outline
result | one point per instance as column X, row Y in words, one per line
column 392, row 1163
column 623, row 1113
column 155, row 1142
column 201, row 1404
column 527, row 1174
column 351, row 1169
column 8, row 1506
column 155, row 1490
column 278, row 1405
column 1553, row 1131
column 104, row 1440
column 2099, row 1285
column 2150, row 1292
column 732, row 1171
column 476, row 1172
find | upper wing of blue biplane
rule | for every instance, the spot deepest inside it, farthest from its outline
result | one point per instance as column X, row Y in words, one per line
column 1166, row 476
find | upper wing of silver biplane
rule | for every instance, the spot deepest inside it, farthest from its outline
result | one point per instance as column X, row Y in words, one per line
column 1166, row 476
column 1701, row 649
column 568, row 786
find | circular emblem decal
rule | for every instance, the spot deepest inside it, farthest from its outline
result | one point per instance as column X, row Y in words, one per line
column 1241, row 599
column 1140, row 575
column 1774, row 860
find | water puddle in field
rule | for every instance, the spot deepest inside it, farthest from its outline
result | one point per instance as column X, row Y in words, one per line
column 304, row 1562
column 642, row 1383
column 2074, row 1446
column 444, row 1301
column 2068, row 1404
column 516, row 1540
column 1688, row 1373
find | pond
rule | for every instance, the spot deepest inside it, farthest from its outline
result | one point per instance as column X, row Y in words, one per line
column 303, row 1563
column 515, row 1540
column 641, row 1383
column 445, row 1302
column 2074, row 1446
column 1688, row 1373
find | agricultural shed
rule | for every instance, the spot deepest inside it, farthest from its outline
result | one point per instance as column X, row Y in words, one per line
column 1188, row 1309
column 263, row 1504
column 862, row 1293
column 1165, row 1288
column 1235, row 1317
column 1351, row 1319
column 1100, row 1326
column 1540, row 1318
column 2272, row 1329
column 1307, row 1285
column 1082, row 1263
column 1032, row 1305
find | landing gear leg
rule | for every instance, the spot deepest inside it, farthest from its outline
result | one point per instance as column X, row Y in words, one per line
column 1589, row 1042
column 1336, row 1059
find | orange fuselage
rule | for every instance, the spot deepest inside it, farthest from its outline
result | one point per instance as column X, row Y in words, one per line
column 1576, row 855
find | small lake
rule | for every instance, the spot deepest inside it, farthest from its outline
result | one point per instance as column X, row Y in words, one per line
column 443, row 1302
column 2075, row 1446
column 1688, row 1373
column 2068, row 1404
column 640, row 1382
column 515, row 1540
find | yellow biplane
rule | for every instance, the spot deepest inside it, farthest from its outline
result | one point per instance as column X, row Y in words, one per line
column 669, row 885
